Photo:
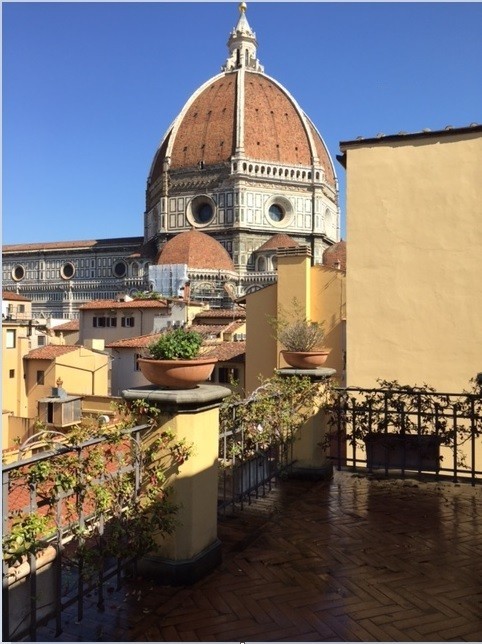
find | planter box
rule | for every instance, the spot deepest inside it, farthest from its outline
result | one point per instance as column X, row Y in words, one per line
column 410, row 452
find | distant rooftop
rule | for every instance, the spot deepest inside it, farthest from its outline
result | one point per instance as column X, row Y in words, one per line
column 131, row 304
column 73, row 245
column 10, row 295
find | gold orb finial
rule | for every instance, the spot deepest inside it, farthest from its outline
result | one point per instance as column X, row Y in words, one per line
column 242, row 7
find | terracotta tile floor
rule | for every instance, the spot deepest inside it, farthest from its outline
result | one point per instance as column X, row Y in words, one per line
column 355, row 559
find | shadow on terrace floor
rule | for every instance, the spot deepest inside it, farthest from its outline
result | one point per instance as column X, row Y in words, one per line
column 354, row 559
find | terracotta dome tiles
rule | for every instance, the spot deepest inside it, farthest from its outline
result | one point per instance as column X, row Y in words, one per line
column 273, row 128
column 206, row 132
column 197, row 250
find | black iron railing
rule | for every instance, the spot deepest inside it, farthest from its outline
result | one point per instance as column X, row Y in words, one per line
column 246, row 474
column 410, row 429
column 67, row 580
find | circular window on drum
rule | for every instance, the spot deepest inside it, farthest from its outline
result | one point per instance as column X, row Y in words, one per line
column 201, row 210
column 279, row 212
column 67, row 271
column 120, row 269
column 18, row 273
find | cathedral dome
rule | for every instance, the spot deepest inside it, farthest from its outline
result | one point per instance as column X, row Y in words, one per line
column 241, row 114
column 197, row 250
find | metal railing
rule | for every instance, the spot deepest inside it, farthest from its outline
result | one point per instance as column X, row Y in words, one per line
column 246, row 476
column 250, row 463
column 408, row 429
column 67, row 579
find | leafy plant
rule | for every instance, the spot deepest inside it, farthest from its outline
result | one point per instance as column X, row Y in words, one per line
column 113, row 486
column 26, row 536
column 272, row 414
column 395, row 409
column 178, row 343
column 295, row 331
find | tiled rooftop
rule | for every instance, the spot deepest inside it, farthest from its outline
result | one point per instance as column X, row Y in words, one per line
column 225, row 351
column 71, row 325
column 50, row 352
column 115, row 304
column 139, row 342
column 10, row 295
column 235, row 313
column 72, row 245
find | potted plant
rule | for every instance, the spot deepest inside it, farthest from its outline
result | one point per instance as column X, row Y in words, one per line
column 174, row 360
column 303, row 339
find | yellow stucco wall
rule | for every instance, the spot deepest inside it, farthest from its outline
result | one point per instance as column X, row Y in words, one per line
column 195, row 484
column 320, row 293
column 261, row 350
column 14, row 396
column 414, row 287
column 82, row 372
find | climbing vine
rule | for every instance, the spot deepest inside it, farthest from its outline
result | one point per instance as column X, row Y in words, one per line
column 107, row 488
column 272, row 414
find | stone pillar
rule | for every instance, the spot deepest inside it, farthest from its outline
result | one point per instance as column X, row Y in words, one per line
column 193, row 550
column 311, row 460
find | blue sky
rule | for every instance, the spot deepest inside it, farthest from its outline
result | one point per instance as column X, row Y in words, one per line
column 89, row 90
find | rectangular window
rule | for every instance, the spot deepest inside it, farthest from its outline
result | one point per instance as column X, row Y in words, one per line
column 11, row 339
column 41, row 341
column 40, row 377
column 11, row 373
column 21, row 308
column 227, row 375
column 127, row 322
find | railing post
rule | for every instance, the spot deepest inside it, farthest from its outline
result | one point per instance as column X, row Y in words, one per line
column 193, row 550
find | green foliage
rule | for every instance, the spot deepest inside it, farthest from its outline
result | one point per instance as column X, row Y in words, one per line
column 26, row 536
column 178, row 343
column 147, row 295
column 402, row 409
column 273, row 413
column 107, row 509
column 295, row 331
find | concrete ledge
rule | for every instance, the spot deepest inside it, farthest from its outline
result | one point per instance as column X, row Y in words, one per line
column 202, row 397
column 185, row 572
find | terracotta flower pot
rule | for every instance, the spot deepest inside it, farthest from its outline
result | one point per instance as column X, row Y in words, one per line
column 177, row 374
column 306, row 359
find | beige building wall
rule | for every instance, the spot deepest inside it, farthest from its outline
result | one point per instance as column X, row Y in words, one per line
column 82, row 372
column 414, row 281
column 143, row 323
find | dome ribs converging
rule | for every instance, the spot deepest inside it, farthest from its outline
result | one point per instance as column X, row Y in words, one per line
column 273, row 127
column 206, row 133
